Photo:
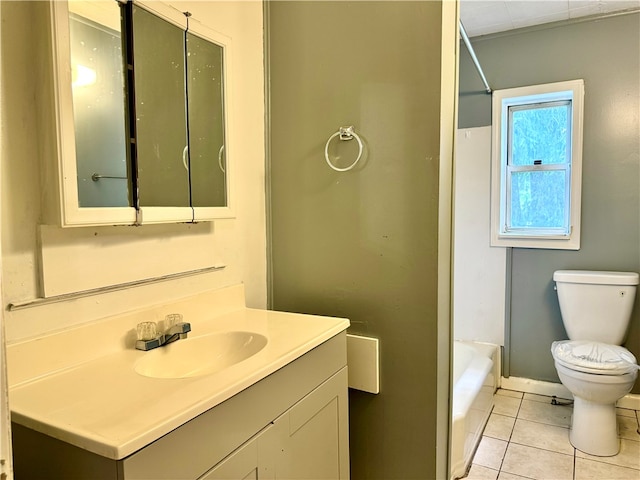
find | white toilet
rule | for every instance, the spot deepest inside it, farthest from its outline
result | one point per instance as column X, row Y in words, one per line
column 596, row 309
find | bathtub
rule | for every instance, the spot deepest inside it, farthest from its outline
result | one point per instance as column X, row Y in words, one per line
column 474, row 383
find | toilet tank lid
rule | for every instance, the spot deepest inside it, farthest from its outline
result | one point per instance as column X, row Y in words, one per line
column 596, row 277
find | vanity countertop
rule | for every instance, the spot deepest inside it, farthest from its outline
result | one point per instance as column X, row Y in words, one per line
column 104, row 406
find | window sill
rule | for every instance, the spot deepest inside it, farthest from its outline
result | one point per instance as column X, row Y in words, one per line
column 551, row 242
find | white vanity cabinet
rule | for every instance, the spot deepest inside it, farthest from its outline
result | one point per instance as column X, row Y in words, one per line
column 305, row 442
column 292, row 424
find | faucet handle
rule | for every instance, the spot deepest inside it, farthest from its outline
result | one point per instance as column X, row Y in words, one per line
column 148, row 336
column 147, row 330
column 171, row 320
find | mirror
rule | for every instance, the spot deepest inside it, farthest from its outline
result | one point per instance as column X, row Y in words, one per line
column 161, row 117
column 179, row 124
column 98, row 90
column 147, row 114
column 205, row 65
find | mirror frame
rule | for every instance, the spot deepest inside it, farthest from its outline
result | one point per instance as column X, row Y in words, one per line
column 71, row 214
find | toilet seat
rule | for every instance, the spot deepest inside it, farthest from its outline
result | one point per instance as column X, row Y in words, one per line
column 594, row 357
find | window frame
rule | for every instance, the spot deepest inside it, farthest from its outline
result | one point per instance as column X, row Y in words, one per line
column 502, row 234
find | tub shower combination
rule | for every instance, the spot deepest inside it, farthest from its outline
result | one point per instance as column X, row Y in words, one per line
column 474, row 383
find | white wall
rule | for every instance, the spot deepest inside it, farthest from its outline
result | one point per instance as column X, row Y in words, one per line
column 479, row 271
column 239, row 243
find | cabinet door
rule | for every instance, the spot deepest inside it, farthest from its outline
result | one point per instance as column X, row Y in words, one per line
column 251, row 461
column 241, row 464
column 313, row 434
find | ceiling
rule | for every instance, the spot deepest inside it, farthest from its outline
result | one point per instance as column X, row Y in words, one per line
column 481, row 17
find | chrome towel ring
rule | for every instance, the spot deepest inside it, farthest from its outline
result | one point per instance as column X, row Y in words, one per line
column 345, row 134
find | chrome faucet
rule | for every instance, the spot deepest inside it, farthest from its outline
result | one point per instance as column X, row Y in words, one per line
column 149, row 338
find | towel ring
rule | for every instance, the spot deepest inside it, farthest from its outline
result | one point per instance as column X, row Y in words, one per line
column 345, row 133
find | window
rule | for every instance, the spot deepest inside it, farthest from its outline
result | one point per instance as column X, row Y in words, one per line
column 536, row 166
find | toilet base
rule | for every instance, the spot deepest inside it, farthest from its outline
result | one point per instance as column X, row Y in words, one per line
column 594, row 428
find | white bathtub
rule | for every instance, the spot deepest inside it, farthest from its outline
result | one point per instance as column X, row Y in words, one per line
column 474, row 384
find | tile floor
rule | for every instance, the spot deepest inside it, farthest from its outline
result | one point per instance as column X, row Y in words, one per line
column 528, row 438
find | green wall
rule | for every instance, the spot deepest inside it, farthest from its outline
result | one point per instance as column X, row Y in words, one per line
column 606, row 54
column 363, row 244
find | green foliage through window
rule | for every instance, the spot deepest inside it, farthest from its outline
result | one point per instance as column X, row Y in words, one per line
column 540, row 133
column 538, row 199
column 538, row 137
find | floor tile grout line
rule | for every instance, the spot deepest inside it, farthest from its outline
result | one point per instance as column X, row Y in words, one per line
column 510, row 435
column 594, row 458
column 545, row 449
column 543, row 423
column 546, row 423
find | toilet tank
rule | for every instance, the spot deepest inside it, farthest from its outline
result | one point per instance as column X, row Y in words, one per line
column 596, row 305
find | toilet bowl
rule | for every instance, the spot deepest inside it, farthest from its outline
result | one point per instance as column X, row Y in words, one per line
column 596, row 385
column 596, row 309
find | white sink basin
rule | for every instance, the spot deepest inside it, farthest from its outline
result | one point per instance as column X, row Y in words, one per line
column 198, row 356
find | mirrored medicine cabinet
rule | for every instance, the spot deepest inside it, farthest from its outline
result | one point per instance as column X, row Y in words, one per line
column 141, row 99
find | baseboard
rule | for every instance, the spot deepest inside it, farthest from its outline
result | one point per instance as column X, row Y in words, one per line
column 538, row 387
column 528, row 385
